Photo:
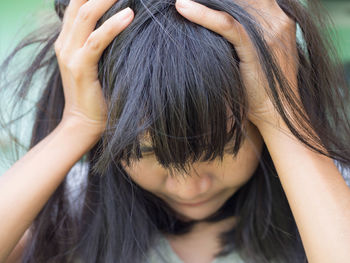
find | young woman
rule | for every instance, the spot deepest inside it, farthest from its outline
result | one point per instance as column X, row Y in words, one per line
column 206, row 132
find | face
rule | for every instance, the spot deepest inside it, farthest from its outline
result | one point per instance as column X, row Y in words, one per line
column 207, row 186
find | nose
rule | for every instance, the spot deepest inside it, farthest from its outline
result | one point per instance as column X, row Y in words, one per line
column 189, row 187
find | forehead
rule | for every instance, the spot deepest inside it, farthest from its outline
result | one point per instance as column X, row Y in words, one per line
column 177, row 140
column 145, row 139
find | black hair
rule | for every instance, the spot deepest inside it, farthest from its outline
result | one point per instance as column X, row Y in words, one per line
column 179, row 84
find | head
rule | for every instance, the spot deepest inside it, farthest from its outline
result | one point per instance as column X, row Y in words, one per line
column 177, row 123
column 178, row 147
column 202, row 188
column 177, row 107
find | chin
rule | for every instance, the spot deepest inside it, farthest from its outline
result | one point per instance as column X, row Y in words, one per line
column 195, row 214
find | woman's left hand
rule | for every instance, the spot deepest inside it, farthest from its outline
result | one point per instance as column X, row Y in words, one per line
column 279, row 33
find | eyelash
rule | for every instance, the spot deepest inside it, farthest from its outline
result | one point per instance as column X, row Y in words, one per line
column 149, row 153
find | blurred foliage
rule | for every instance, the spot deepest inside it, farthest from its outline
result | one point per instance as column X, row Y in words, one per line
column 340, row 13
column 17, row 18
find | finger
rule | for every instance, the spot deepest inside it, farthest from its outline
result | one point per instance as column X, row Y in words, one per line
column 104, row 35
column 86, row 20
column 69, row 17
column 217, row 21
column 261, row 4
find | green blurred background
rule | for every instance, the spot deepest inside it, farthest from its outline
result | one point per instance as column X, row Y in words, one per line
column 18, row 17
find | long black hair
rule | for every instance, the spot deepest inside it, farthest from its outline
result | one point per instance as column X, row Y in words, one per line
column 174, row 81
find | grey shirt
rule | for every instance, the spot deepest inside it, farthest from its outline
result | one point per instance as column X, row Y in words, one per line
column 163, row 253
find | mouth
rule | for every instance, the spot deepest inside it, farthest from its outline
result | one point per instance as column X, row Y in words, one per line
column 193, row 204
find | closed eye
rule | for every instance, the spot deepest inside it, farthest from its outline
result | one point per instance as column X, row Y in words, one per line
column 228, row 149
column 149, row 150
column 146, row 150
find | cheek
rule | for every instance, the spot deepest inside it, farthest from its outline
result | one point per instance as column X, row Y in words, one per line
column 231, row 173
column 147, row 173
column 237, row 171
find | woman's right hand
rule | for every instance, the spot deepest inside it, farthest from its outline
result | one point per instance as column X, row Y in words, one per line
column 78, row 49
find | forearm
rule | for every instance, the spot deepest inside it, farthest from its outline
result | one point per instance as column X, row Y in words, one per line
column 28, row 185
column 318, row 195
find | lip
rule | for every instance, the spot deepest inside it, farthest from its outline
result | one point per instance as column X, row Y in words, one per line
column 193, row 204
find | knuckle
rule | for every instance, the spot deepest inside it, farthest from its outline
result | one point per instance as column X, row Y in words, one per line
column 93, row 43
column 226, row 22
column 202, row 14
column 285, row 22
column 57, row 47
column 109, row 29
column 85, row 13
column 75, row 70
column 64, row 56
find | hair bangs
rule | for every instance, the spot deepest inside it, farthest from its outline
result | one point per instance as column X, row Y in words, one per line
column 188, row 103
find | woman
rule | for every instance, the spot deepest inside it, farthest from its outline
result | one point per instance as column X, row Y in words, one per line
column 208, row 130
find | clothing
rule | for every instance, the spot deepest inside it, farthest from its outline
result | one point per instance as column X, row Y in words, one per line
column 163, row 253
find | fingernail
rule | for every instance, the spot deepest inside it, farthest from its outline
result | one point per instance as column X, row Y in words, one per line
column 125, row 13
column 183, row 3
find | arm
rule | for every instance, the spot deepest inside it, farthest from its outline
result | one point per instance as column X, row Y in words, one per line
column 17, row 252
column 28, row 185
column 317, row 194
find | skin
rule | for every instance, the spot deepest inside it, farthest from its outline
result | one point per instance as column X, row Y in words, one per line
column 211, row 182
column 215, row 181
column 317, row 193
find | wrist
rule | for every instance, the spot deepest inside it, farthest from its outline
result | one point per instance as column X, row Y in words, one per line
column 89, row 132
column 267, row 122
